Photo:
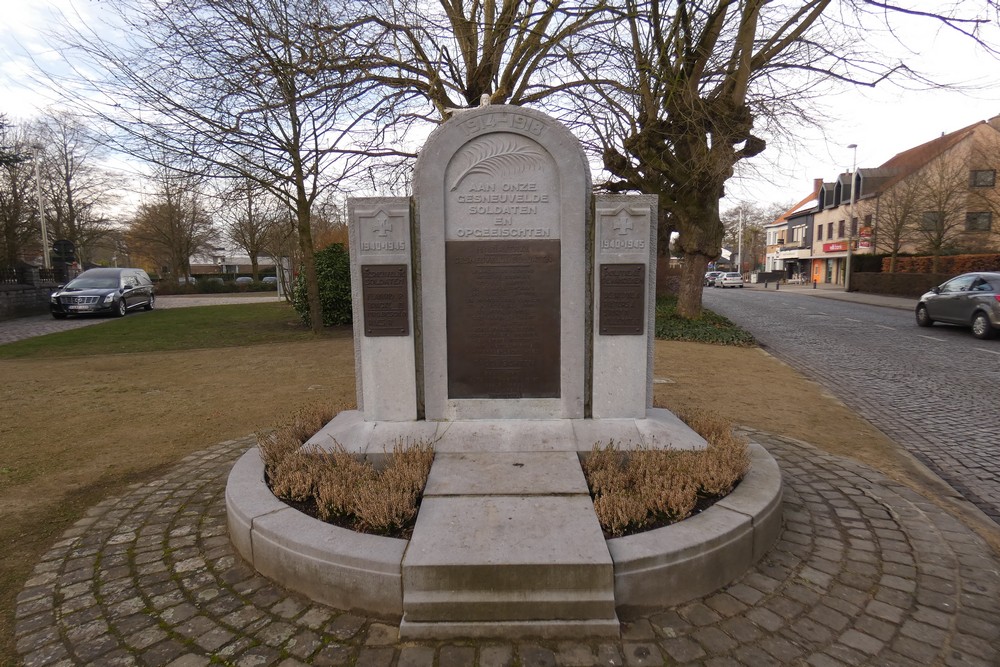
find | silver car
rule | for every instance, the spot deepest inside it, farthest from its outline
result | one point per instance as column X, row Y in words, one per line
column 730, row 279
column 971, row 300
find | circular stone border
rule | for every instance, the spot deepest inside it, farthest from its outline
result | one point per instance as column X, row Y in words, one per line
column 350, row 570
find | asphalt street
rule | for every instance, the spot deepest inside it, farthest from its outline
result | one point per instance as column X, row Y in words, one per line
column 935, row 391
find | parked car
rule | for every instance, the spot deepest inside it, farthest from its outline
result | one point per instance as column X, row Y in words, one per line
column 113, row 291
column 971, row 300
column 729, row 280
column 710, row 278
column 269, row 280
column 244, row 280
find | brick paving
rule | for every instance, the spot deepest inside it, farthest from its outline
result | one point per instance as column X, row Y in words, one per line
column 933, row 391
column 866, row 572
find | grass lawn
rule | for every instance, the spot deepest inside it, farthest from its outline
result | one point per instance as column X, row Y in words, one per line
column 88, row 411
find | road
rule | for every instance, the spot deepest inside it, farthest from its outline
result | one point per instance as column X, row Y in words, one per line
column 935, row 391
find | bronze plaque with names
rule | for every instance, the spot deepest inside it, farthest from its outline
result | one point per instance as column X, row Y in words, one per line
column 503, row 319
column 385, row 298
column 622, row 311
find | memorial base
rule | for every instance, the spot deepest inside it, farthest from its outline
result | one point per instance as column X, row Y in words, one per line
column 506, row 543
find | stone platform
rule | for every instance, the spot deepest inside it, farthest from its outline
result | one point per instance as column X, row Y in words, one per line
column 506, row 543
column 865, row 572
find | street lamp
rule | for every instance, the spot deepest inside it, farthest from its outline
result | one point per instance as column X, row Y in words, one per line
column 850, row 222
column 46, row 260
column 739, row 244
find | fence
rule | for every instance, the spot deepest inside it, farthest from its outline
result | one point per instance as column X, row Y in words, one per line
column 25, row 289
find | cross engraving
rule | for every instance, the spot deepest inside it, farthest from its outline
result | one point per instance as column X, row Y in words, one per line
column 622, row 224
column 382, row 225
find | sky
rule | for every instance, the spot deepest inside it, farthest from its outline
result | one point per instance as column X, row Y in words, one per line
column 882, row 122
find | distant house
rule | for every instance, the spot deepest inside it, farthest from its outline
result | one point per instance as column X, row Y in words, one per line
column 789, row 238
column 225, row 260
column 937, row 197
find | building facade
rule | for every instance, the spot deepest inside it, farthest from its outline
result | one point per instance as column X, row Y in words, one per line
column 938, row 197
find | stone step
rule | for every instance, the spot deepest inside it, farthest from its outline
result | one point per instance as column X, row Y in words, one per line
column 523, row 604
column 488, row 559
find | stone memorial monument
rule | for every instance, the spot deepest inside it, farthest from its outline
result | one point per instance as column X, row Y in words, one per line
column 506, row 315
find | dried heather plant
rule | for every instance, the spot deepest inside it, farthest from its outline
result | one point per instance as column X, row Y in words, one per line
column 620, row 511
column 275, row 446
column 726, row 462
column 636, row 488
column 342, row 474
column 382, row 507
column 295, row 477
column 604, row 468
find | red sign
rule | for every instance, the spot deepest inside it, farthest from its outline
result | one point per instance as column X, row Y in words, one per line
column 839, row 246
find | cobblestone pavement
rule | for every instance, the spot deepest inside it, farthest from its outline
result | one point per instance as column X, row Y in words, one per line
column 39, row 325
column 933, row 391
column 866, row 572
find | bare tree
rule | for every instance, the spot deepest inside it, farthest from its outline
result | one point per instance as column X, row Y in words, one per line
column 897, row 213
column 751, row 218
column 78, row 192
column 942, row 201
column 172, row 226
column 679, row 87
column 250, row 214
column 242, row 89
column 8, row 155
column 451, row 54
column 19, row 224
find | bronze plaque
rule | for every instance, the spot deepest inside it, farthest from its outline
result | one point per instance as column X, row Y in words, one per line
column 385, row 298
column 622, row 310
column 503, row 319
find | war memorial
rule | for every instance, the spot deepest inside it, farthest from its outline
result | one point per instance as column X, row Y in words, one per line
column 504, row 313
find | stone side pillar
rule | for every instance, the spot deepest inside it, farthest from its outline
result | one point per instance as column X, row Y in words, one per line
column 382, row 298
column 624, row 305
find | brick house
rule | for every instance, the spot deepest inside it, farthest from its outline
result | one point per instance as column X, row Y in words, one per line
column 939, row 196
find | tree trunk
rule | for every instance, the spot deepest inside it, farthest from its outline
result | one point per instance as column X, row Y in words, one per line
column 309, row 266
column 700, row 235
column 253, row 266
column 692, row 283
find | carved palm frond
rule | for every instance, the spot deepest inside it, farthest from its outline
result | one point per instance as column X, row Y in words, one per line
column 498, row 157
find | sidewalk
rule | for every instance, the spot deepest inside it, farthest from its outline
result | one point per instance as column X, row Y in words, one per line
column 866, row 572
column 837, row 292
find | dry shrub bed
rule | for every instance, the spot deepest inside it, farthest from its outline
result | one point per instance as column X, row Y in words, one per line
column 338, row 487
column 641, row 489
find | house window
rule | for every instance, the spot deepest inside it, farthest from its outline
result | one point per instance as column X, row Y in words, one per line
column 819, row 232
column 854, row 226
column 982, row 178
column 978, row 221
column 931, row 221
column 840, row 229
column 829, row 230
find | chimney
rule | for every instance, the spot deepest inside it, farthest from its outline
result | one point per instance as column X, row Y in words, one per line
column 817, row 185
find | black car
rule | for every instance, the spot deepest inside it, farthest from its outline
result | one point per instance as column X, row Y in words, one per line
column 971, row 300
column 114, row 291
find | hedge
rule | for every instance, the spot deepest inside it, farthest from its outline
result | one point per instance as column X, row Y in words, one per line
column 947, row 264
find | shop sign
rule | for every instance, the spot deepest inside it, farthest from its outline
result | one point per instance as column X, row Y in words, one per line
column 839, row 246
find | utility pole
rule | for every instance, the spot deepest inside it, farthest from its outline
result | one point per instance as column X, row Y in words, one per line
column 739, row 244
column 850, row 222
